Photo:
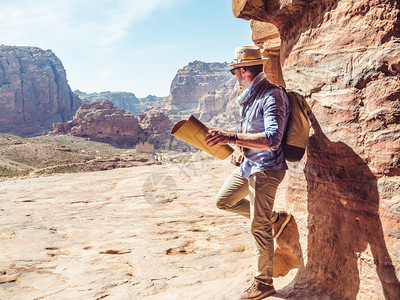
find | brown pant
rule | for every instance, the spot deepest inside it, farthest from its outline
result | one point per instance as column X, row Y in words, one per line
column 261, row 187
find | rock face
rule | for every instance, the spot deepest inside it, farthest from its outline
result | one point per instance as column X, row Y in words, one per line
column 157, row 125
column 219, row 108
column 190, row 84
column 215, row 102
column 345, row 57
column 194, row 80
column 34, row 91
column 101, row 121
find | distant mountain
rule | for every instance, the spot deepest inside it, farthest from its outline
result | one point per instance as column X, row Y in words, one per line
column 125, row 100
column 149, row 100
column 34, row 91
column 218, row 108
column 102, row 121
column 190, row 84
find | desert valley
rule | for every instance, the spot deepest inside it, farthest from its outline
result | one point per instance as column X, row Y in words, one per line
column 99, row 201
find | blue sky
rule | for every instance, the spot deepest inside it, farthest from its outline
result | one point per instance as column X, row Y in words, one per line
column 125, row 45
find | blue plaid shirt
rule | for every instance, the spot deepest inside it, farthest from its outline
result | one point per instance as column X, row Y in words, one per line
column 266, row 110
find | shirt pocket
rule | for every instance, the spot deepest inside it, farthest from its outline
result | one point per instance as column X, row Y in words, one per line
column 256, row 121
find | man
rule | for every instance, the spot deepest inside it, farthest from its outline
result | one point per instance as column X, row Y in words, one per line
column 264, row 108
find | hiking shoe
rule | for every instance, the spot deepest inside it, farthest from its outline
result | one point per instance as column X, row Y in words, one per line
column 281, row 223
column 257, row 291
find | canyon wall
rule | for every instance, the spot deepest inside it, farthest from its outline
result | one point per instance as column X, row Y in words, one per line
column 103, row 122
column 189, row 86
column 34, row 91
column 344, row 56
column 218, row 108
column 157, row 125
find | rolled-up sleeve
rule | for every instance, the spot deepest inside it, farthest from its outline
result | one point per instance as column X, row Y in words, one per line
column 275, row 114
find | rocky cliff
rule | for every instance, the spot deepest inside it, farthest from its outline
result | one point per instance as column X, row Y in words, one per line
column 218, row 108
column 190, row 84
column 101, row 121
column 157, row 125
column 345, row 57
column 214, row 102
column 34, row 91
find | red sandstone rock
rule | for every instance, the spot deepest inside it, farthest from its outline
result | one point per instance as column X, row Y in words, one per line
column 101, row 121
column 157, row 125
column 34, row 91
column 344, row 56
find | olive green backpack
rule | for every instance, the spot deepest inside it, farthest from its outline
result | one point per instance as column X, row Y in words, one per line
column 298, row 128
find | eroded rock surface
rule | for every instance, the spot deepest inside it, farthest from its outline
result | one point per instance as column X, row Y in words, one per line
column 157, row 125
column 101, row 121
column 34, row 91
column 190, row 84
column 218, row 108
column 345, row 57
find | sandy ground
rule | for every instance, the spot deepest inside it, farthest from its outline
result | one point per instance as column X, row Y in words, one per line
column 150, row 232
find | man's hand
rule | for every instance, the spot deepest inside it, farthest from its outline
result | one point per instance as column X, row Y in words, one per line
column 250, row 140
column 219, row 137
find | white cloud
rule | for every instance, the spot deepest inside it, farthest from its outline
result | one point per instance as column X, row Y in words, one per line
column 94, row 40
column 89, row 25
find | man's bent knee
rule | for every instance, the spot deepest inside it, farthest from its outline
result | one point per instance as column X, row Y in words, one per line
column 222, row 203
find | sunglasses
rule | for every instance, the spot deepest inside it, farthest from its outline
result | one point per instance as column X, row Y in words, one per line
column 233, row 70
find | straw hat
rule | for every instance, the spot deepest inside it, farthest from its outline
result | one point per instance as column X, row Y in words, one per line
column 247, row 56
